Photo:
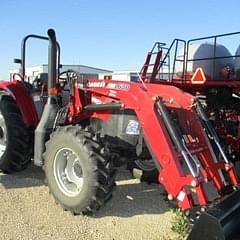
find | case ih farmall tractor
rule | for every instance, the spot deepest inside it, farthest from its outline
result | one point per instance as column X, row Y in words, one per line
column 87, row 127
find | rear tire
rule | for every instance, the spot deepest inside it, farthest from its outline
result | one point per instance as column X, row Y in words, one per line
column 78, row 171
column 15, row 137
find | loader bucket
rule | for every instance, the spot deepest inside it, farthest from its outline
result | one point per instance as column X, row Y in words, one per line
column 220, row 222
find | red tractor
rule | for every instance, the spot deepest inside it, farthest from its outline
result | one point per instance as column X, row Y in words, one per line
column 81, row 130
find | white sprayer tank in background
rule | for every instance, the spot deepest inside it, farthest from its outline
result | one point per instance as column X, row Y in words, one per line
column 206, row 50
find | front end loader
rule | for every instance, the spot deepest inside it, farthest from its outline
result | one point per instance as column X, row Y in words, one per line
column 89, row 127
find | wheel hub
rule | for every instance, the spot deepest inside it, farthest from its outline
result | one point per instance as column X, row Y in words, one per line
column 68, row 172
column 3, row 135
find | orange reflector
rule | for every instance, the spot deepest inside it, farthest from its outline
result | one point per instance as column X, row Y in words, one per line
column 52, row 91
column 198, row 77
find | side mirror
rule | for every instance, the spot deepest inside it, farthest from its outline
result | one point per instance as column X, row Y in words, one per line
column 17, row 60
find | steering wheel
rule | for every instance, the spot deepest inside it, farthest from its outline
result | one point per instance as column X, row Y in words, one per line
column 18, row 75
column 68, row 77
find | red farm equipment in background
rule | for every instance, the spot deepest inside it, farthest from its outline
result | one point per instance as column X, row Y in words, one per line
column 204, row 67
column 79, row 131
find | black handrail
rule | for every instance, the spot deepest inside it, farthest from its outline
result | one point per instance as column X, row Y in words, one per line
column 214, row 58
column 175, row 41
column 213, row 36
column 158, row 45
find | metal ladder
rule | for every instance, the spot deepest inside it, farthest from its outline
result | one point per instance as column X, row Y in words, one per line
column 163, row 66
column 150, row 68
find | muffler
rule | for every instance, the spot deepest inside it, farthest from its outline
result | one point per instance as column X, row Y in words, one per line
column 220, row 222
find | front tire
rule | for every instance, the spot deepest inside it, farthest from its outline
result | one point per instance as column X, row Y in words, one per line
column 79, row 173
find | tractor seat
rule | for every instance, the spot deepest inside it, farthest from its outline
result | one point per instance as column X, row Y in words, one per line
column 41, row 79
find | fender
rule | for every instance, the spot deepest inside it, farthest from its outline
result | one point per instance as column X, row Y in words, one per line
column 23, row 100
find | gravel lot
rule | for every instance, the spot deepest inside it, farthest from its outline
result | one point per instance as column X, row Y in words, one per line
column 136, row 211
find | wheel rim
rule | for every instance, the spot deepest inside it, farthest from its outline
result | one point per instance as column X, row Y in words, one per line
column 3, row 135
column 68, row 172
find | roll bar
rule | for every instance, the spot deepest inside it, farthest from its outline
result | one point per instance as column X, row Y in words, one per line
column 22, row 61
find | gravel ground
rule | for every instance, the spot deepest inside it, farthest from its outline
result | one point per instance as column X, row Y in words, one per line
column 136, row 211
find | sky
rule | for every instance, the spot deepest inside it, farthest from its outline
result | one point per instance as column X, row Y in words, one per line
column 114, row 35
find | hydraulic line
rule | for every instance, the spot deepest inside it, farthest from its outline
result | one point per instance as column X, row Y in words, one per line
column 210, row 129
column 175, row 137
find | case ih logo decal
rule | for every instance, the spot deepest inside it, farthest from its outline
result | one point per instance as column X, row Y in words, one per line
column 96, row 84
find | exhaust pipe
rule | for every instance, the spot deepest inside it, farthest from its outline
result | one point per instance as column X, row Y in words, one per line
column 52, row 59
column 51, row 108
